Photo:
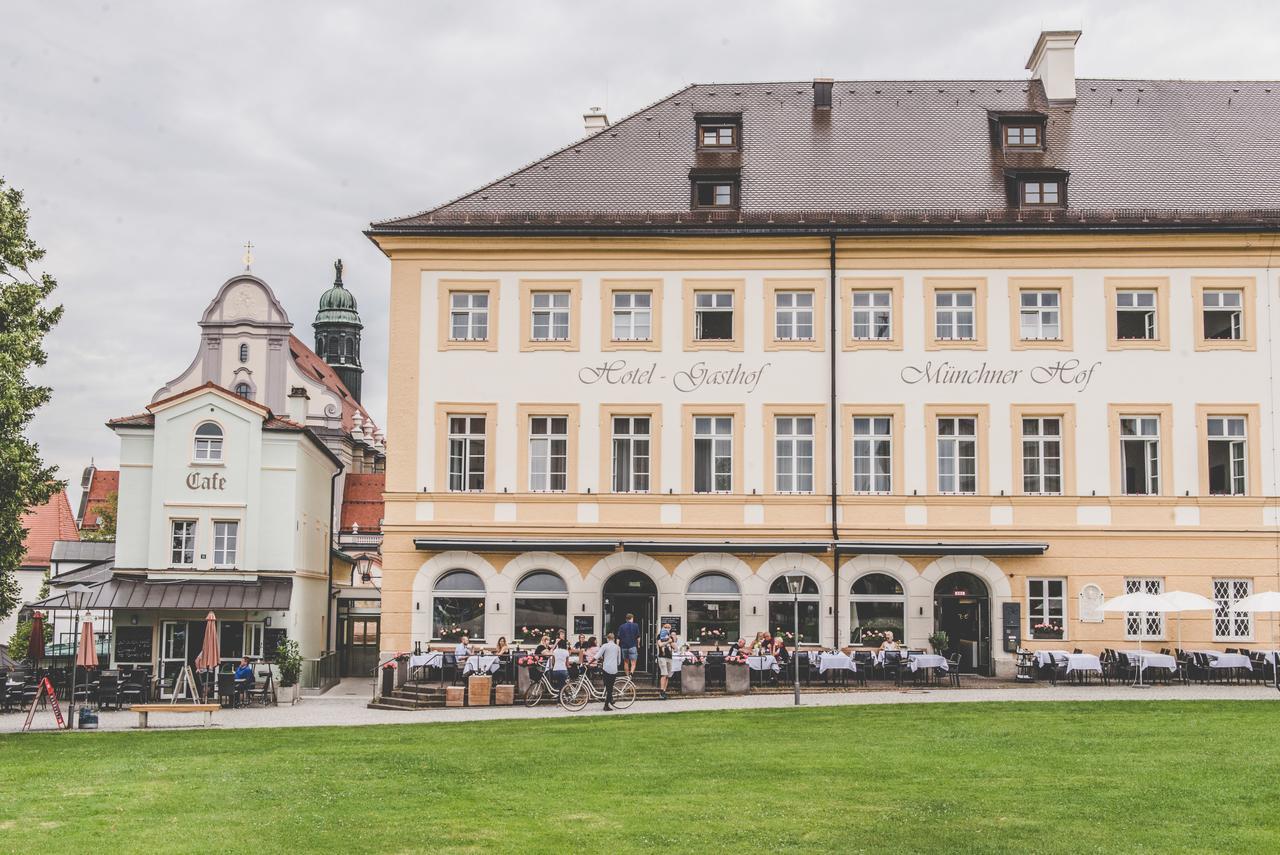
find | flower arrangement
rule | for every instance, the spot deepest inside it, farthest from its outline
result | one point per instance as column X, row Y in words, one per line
column 452, row 633
column 1050, row 629
column 873, row 636
column 693, row 657
column 712, row 635
column 736, row 659
column 535, row 633
column 531, row 660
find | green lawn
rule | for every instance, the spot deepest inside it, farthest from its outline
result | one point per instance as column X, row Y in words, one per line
column 1067, row 777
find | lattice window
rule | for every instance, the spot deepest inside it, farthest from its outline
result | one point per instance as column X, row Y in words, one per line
column 1144, row 624
column 1228, row 625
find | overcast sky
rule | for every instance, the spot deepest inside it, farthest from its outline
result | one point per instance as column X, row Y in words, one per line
column 154, row 139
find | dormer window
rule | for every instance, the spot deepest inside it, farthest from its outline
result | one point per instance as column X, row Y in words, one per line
column 1048, row 193
column 719, row 131
column 1017, row 131
column 715, row 194
column 1021, row 136
column 1036, row 188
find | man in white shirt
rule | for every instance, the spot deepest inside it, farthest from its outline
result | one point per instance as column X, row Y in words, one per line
column 462, row 651
column 610, row 655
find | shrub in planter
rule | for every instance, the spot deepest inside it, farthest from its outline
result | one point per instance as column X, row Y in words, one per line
column 289, row 662
column 940, row 641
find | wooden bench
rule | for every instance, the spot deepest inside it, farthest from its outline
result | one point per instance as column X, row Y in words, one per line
column 143, row 709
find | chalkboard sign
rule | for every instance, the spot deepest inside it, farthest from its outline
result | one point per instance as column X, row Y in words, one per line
column 133, row 645
column 674, row 620
column 584, row 625
column 271, row 639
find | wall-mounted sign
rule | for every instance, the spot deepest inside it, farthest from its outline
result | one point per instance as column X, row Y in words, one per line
column 206, row 481
column 584, row 624
column 674, row 620
column 1063, row 372
column 700, row 375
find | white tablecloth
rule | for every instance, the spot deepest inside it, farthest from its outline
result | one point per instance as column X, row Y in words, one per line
column 927, row 660
column 763, row 663
column 1083, row 662
column 1048, row 657
column 835, row 662
column 1153, row 660
column 481, row 665
column 430, row 659
column 1227, row 660
column 676, row 661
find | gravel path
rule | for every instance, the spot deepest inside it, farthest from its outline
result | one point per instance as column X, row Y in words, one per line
column 344, row 705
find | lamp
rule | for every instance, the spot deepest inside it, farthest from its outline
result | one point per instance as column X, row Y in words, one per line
column 795, row 584
column 77, row 596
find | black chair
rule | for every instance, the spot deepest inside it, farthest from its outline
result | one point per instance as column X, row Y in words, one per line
column 892, row 666
column 133, row 689
column 108, row 693
column 953, row 670
column 448, row 665
column 715, row 670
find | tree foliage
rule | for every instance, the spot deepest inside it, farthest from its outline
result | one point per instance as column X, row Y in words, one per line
column 25, row 319
column 107, row 509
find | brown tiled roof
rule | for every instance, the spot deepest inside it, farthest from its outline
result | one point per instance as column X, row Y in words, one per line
column 907, row 153
column 362, row 501
column 310, row 363
column 44, row 524
column 102, row 484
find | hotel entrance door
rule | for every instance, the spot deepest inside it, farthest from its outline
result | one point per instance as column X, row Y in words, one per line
column 962, row 610
column 358, row 644
column 632, row 592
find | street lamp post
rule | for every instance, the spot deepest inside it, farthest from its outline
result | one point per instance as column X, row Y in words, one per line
column 76, row 597
column 795, row 583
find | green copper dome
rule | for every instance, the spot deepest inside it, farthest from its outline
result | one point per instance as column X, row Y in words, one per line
column 337, row 305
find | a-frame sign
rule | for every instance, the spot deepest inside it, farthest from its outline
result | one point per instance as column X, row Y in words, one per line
column 45, row 690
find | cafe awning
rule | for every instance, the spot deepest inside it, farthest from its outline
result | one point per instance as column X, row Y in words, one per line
column 941, row 547
column 140, row 594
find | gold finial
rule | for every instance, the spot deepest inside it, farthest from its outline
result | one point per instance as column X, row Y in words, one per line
column 248, row 256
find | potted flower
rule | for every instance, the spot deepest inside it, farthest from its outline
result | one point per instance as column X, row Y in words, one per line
column 870, row 637
column 288, row 662
column 452, row 633
column 693, row 674
column 1048, row 630
column 711, row 635
column 940, row 642
column 527, row 672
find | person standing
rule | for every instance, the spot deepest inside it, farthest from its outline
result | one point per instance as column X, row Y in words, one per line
column 666, row 651
column 629, row 641
column 609, row 654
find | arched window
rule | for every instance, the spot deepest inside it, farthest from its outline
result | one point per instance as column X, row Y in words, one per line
column 714, row 609
column 457, row 606
column 334, row 349
column 208, row 442
column 541, row 606
column 243, row 390
column 877, row 605
column 782, row 611
column 351, row 348
column 244, row 353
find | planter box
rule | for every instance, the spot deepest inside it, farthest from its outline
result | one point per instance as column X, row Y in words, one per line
column 478, row 688
column 693, row 679
column 737, row 678
column 504, row 695
column 454, row 695
column 287, row 694
column 523, row 679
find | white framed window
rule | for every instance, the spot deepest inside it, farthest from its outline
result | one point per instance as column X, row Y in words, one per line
column 958, row 454
column 182, row 550
column 717, row 136
column 466, row 453
column 1140, row 455
column 1136, row 315
column 1041, row 192
column 1224, row 315
column 712, row 454
column 468, row 316
column 631, row 454
column 793, row 454
column 1022, row 136
column 793, row 315
column 1227, row 456
column 1144, row 624
column 550, row 315
column 226, row 540
column 953, row 314
column 1040, row 315
column 208, row 446
column 1047, row 607
column 253, row 636
column 548, row 454
column 632, row 316
column 873, row 454
column 872, row 315
column 1042, row 455
column 1229, row 625
column 713, row 315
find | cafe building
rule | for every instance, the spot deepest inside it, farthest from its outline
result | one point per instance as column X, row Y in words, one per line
column 971, row 356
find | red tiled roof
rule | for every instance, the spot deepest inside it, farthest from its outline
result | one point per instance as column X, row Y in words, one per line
column 44, row 524
column 362, row 501
column 310, row 363
column 103, row 483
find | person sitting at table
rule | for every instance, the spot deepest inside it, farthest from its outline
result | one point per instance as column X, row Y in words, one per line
column 244, row 679
column 463, row 650
column 502, row 648
column 779, row 650
column 591, row 651
column 543, row 644
column 559, row 665
column 757, row 643
column 889, row 643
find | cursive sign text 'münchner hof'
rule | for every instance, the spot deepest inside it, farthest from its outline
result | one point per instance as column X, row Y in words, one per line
column 1065, row 372
column 618, row 372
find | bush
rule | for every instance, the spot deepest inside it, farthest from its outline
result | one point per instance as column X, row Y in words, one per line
column 22, row 637
column 289, row 661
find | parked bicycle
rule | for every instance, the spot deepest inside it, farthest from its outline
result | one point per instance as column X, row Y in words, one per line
column 580, row 691
column 541, row 688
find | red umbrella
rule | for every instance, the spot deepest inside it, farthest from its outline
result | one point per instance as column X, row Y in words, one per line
column 87, row 655
column 208, row 658
column 35, row 644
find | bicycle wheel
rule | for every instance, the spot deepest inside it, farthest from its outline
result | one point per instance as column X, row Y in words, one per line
column 533, row 695
column 624, row 694
column 575, row 695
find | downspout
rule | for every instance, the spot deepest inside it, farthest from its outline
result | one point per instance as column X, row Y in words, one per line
column 833, row 430
column 330, row 630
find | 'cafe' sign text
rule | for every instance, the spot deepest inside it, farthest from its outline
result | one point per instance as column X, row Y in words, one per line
column 203, row 481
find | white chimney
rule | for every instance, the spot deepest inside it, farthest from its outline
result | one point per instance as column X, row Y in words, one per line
column 296, row 410
column 1053, row 63
column 595, row 120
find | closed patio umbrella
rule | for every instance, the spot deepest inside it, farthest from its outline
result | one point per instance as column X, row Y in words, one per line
column 1185, row 601
column 1138, row 601
column 35, row 644
column 87, row 652
column 209, row 651
column 1265, row 602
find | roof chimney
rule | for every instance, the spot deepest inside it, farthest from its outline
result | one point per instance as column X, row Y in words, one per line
column 1053, row 63
column 595, row 120
column 822, row 93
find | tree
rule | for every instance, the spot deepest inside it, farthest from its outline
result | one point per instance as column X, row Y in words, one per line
column 18, row 642
column 107, row 509
column 25, row 319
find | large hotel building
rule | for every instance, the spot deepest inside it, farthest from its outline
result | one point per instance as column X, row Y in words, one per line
column 973, row 356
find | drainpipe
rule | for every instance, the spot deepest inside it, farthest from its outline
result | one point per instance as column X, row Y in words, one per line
column 330, row 630
column 833, row 430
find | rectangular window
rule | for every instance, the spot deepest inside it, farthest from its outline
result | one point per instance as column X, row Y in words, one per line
column 793, row 454
column 793, row 315
column 1144, row 624
column 712, row 454
column 1039, row 315
column 1224, row 315
column 1229, row 625
column 953, row 315
column 1022, row 136
column 714, row 194
column 717, row 136
column 1041, row 192
column 1140, row 455
column 468, row 316
column 548, row 454
column 632, row 316
column 1136, row 315
column 713, row 315
column 226, row 536
column 1227, row 460
column 550, row 315
column 253, row 637
column 631, row 454
column 1046, row 607
column 466, row 453
column 183, row 548
column 1042, row 455
column 873, row 454
column 957, row 455
column 873, row 315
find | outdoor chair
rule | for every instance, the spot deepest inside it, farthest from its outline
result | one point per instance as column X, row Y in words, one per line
column 263, row 690
column 953, row 670
column 134, row 688
column 892, row 666
column 108, row 693
column 715, row 670
column 449, row 664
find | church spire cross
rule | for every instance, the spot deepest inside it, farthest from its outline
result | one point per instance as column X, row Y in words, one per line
column 337, row 273
column 248, row 256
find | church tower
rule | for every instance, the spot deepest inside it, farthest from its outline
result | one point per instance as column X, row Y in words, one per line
column 337, row 327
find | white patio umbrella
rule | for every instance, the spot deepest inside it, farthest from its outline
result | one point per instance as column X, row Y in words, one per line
column 1267, row 601
column 1138, row 601
column 1185, row 601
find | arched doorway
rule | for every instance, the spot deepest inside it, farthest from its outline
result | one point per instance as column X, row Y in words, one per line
column 631, row 592
column 962, row 609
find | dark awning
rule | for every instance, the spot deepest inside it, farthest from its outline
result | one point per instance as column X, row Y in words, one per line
column 497, row 544
column 660, row 546
column 130, row 593
column 941, row 547
column 746, row 547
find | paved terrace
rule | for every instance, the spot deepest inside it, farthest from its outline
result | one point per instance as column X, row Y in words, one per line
column 345, row 705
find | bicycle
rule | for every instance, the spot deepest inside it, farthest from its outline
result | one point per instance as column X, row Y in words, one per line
column 541, row 688
column 580, row 691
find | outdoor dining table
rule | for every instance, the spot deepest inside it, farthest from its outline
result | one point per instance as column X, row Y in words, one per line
column 1147, row 659
column 1049, row 657
column 835, row 662
column 1218, row 659
column 481, row 664
column 763, row 663
column 1083, row 663
column 927, row 660
column 430, row 659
